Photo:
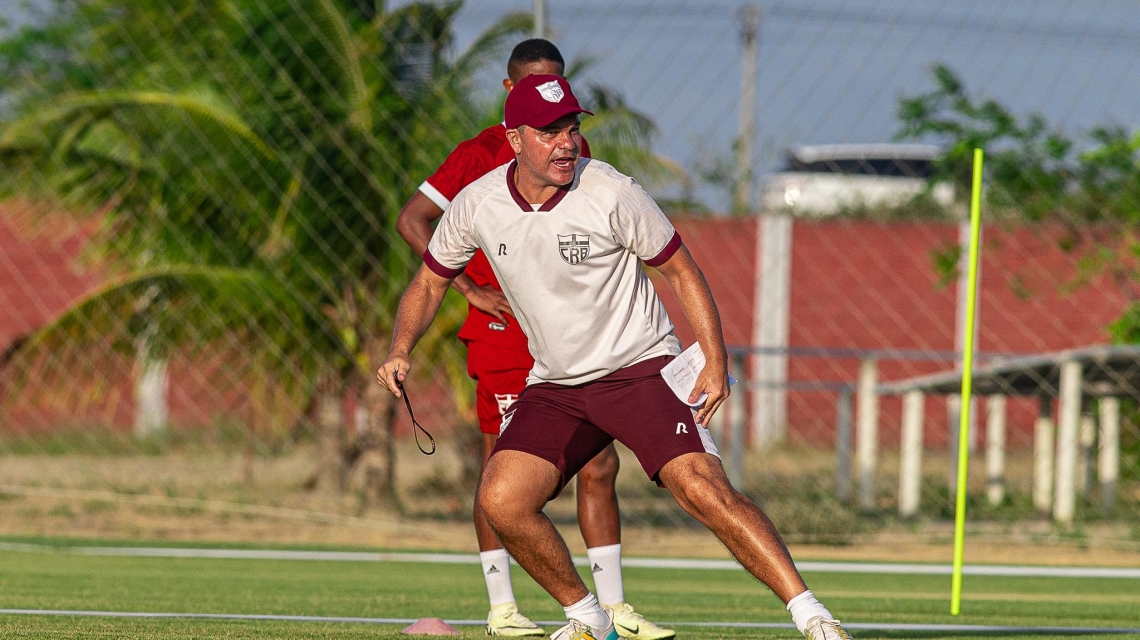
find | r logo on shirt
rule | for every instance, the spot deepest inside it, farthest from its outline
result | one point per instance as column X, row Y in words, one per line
column 574, row 248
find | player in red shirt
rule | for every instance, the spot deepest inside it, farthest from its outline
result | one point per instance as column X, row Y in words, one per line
column 498, row 360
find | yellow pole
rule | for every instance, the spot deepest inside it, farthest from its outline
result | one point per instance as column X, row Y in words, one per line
column 967, row 380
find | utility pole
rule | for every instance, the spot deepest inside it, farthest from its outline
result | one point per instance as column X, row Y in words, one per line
column 749, row 16
column 540, row 18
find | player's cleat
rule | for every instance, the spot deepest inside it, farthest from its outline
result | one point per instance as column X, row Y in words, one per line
column 575, row 630
column 631, row 624
column 505, row 620
column 821, row 628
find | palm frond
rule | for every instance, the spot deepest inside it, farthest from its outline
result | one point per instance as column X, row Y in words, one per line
column 204, row 104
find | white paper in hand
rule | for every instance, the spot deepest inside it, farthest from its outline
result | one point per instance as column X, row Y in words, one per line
column 681, row 374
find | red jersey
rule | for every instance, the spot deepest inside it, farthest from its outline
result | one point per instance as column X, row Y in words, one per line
column 471, row 160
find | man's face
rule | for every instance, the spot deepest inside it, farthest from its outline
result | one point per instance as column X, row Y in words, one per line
column 550, row 153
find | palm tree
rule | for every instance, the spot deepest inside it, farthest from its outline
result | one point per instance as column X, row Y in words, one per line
column 248, row 159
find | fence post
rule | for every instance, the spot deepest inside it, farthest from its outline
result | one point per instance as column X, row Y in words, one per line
column 910, row 461
column 995, row 449
column 843, row 444
column 736, row 423
column 770, row 328
column 1087, row 436
column 1065, row 494
column 868, row 434
column 1108, row 464
column 1043, row 435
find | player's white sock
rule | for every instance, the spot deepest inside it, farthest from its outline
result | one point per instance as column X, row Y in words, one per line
column 497, row 573
column 804, row 607
column 588, row 611
column 605, row 563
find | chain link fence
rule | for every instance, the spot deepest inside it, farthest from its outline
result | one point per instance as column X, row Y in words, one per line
column 200, row 268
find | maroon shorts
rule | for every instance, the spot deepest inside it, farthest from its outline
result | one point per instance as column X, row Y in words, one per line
column 568, row 426
column 500, row 376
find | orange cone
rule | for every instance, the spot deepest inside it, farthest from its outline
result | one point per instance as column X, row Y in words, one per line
column 430, row 627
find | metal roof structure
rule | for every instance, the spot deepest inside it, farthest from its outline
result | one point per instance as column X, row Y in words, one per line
column 883, row 151
column 1106, row 370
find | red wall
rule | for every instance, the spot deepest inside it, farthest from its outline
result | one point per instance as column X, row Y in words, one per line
column 871, row 285
column 854, row 284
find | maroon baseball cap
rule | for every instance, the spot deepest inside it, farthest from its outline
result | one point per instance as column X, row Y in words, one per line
column 538, row 100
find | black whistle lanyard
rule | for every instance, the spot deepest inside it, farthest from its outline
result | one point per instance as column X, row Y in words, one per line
column 416, row 425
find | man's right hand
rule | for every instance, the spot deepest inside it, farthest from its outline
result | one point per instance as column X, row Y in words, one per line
column 489, row 300
column 394, row 370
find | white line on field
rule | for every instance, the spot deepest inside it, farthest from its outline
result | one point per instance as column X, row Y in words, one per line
column 653, row 563
column 881, row 626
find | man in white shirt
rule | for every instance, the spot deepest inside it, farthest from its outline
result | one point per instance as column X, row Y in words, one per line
column 566, row 238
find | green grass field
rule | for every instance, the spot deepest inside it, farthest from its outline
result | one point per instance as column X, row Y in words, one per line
column 413, row 590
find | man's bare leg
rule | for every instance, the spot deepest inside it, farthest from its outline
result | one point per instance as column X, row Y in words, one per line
column 488, row 541
column 597, row 500
column 504, row 617
column 515, row 488
column 600, row 523
column 698, row 483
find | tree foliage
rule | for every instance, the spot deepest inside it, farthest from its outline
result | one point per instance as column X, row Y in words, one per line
column 246, row 160
column 1037, row 173
column 1034, row 170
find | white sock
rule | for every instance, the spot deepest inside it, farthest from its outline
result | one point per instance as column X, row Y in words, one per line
column 605, row 563
column 804, row 607
column 588, row 611
column 497, row 573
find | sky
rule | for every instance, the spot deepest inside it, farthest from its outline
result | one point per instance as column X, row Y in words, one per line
column 831, row 71
column 16, row 12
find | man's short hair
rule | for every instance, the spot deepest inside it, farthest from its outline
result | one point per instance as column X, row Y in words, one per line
column 533, row 50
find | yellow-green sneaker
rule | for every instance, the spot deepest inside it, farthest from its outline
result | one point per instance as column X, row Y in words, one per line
column 821, row 628
column 505, row 620
column 575, row 630
column 631, row 624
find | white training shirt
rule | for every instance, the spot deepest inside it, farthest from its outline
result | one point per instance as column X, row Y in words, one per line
column 571, row 269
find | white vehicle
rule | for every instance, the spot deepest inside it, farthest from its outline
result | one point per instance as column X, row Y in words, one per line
column 824, row 179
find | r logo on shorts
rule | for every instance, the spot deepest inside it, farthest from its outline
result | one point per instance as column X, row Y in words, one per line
column 568, row 425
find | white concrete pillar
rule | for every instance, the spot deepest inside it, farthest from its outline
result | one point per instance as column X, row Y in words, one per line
column 1043, row 437
column 770, row 317
column 843, row 431
column 1108, row 463
column 910, row 454
column 735, row 436
column 867, row 436
column 954, row 402
column 954, row 421
column 151, row 388
column 1086, row 437
column 1065, row 491
column 995, row 449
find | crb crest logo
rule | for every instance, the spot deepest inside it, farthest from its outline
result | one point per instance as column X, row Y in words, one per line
column 505, row 400
column 574, row 248
column 551, row 91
